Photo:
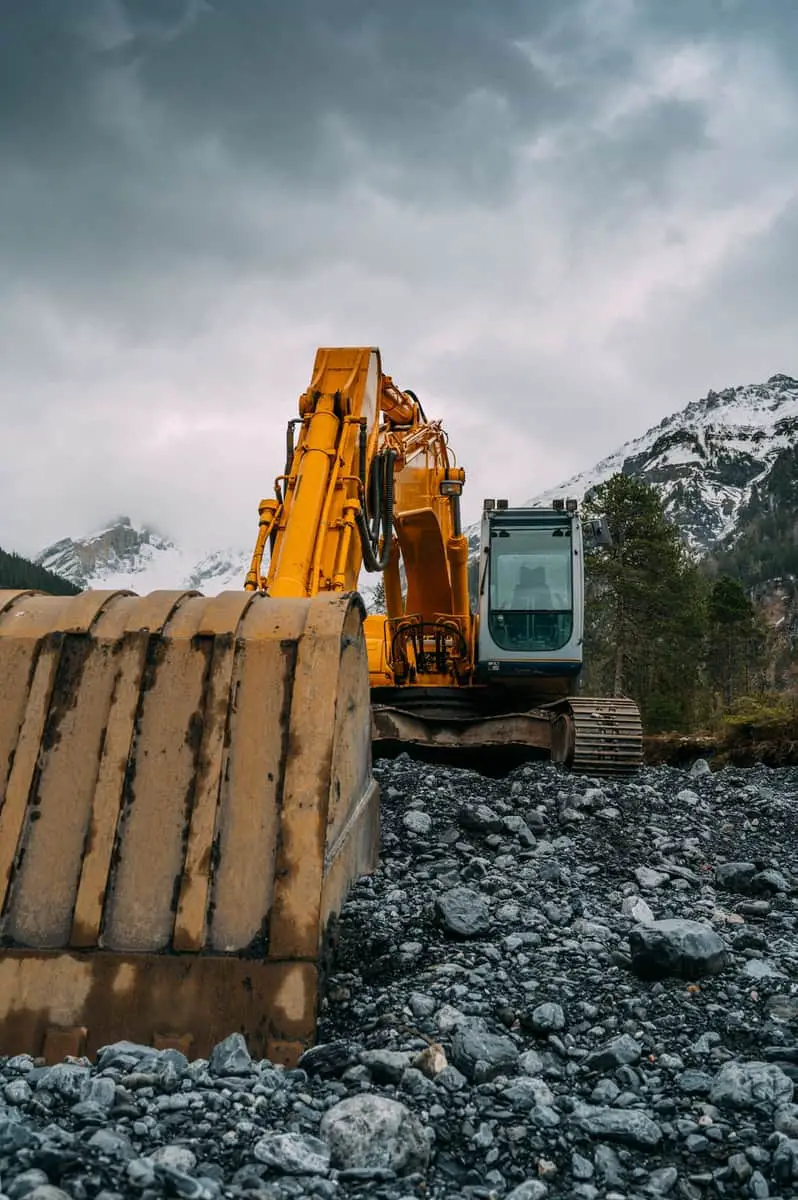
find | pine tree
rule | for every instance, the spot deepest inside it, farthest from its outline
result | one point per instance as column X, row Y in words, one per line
column 645, row 613
column 19, row 572
column 736, row 641
column 378, row 602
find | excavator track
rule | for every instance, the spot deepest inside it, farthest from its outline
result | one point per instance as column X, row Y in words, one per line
column 597, row 736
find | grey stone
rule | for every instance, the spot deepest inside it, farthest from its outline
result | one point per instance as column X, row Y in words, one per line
column 451, row 1079
column 530, row 1189
column 374, row 1131
column 636, row 908
column 24, row 1183
column 703, row 1044
column 463, row 913
column 473, row 1044
column 422, row 1005
column 695, row 1083
column 785, row 1161
column 526, row 1093
column 751, row 1085
column 739, row 1165
column 416, row 1083
column 760, row 968
column 581, row 1167
column 608, row 1166
column 230, row 1057
column 483, row 1138
column 650, row 879
column 14, row 1135
column 141, row 1173
column 545, row 1018
column 626, row 1126
column 662, row 1181
column 329, row 1059
column 176, row 1158
column 785, row 1120
column 606, row 1091
column 112, row 1143
column 770, row 881
column 22, row 1063
column 519, row 829
column 758, row 1186
column 676, row 947
column 293, row 1153
column 99, row 1090
column 122, row 1055
column 479, row 818
column 386, row 1066
column 65, row 1080
column 735, row 876
column 18, row 1091
column 545, row 1117
column 417, row 822
column 530, row 1063
column 621, row 1051
column 448, row 1018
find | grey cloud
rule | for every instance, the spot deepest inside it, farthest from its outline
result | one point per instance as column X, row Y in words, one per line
column 737, row 327
column 195, row 193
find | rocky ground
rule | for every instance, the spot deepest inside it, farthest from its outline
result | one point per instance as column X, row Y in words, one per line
column 552, row 988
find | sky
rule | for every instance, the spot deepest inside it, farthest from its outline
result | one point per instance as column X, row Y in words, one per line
column 560, row 221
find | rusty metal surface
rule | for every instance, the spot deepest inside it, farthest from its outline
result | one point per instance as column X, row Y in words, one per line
column 516, row 730
column 193, row 999
column 186, row 797
column 585, row 735
column 604, row 736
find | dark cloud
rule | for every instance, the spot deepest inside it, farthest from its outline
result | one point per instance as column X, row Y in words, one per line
column 547, row 213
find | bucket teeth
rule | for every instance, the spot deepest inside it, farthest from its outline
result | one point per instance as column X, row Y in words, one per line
column 186, row 795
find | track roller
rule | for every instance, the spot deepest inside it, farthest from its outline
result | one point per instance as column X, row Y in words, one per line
column 592, row 736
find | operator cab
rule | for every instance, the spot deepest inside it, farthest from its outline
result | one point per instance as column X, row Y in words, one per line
column 531, row 595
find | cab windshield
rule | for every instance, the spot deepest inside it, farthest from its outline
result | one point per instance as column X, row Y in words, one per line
column 531, row 587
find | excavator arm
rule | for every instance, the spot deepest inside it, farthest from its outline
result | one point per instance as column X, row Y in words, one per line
column 369, row 482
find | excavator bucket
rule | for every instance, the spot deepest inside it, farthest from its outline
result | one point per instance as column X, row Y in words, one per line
column 185, row 796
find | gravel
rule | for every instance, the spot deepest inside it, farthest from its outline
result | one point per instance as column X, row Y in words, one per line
column 552, row 988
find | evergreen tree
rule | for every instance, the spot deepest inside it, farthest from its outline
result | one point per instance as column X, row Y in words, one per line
column 378, row 603
column 736, row 641
column 645, row 613
column 19, row 572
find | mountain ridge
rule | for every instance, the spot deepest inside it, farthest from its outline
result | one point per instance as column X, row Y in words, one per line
column 706, row 460
column 137, row 557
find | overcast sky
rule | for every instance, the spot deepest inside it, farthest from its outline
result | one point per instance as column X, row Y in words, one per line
column 560, row 220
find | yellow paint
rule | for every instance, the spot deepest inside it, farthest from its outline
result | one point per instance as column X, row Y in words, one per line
column 313, row 524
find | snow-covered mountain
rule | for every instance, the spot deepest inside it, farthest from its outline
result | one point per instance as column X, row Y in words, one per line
column 710, row 461
column 139, row 559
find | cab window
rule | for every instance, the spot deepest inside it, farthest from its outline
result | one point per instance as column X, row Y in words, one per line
column 531, row 587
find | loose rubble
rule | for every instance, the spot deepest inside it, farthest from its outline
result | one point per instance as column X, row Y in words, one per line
column 552, row 988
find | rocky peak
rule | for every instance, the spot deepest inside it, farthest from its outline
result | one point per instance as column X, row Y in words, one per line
column 123, row 554
column 708, row 460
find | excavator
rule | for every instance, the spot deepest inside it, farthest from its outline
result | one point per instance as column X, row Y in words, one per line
column 186, row 785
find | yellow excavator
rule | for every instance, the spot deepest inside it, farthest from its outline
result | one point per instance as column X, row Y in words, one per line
column 186, row 788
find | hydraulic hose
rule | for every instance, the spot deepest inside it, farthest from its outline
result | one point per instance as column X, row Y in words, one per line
column 382, row 508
